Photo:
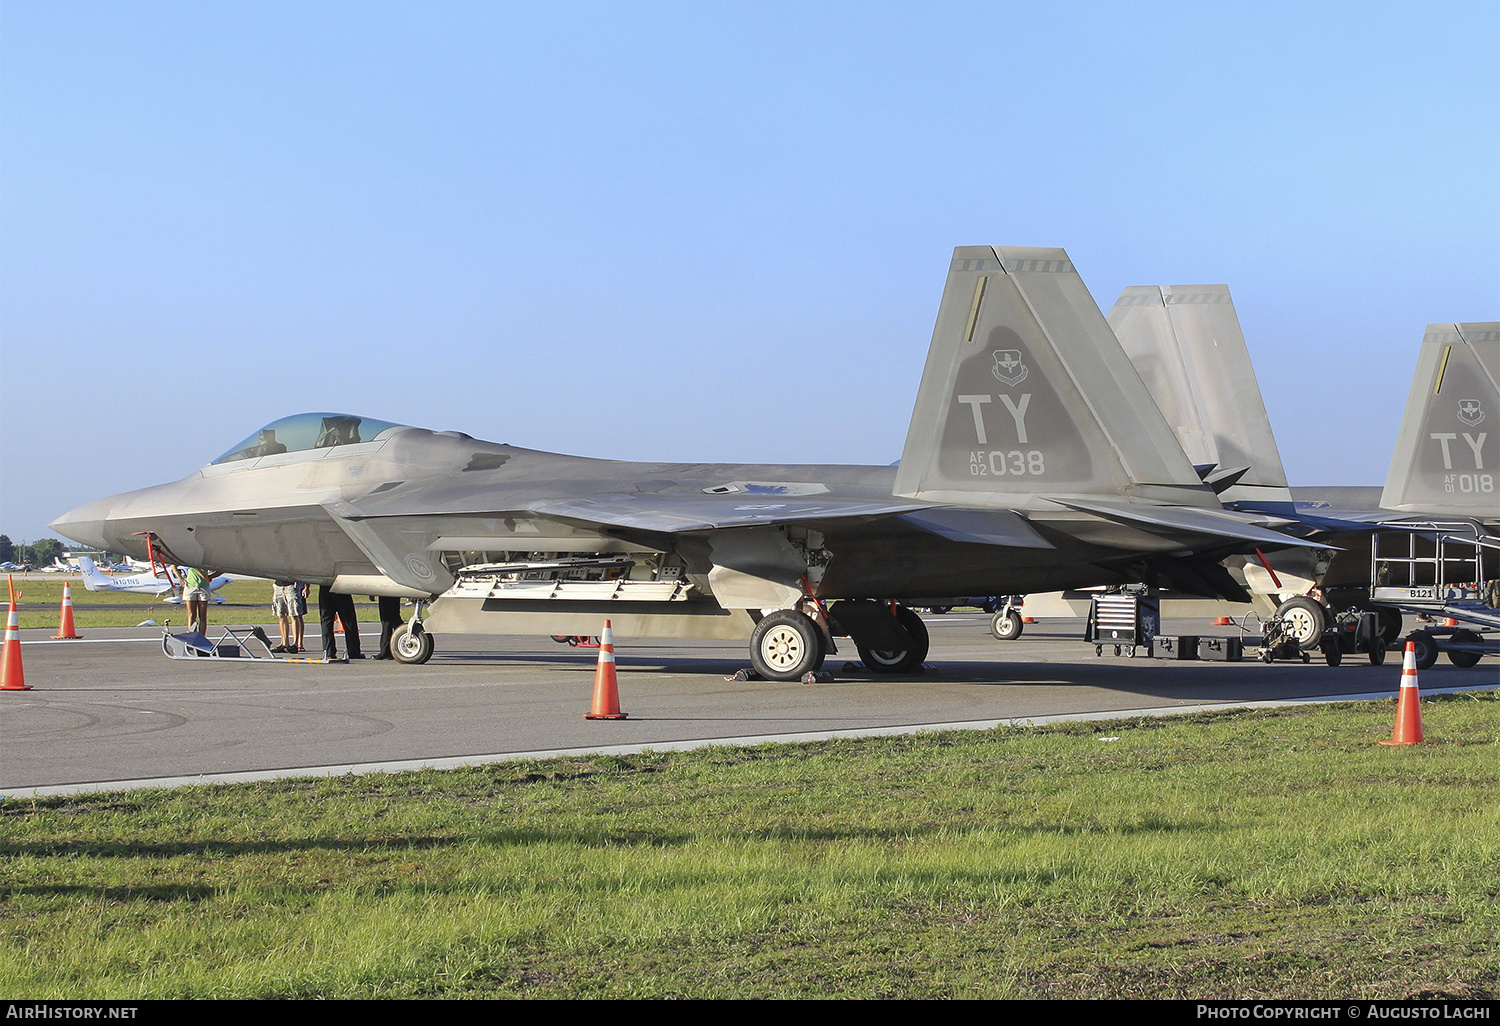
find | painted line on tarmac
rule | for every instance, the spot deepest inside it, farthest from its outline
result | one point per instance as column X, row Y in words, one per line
column 463, row 761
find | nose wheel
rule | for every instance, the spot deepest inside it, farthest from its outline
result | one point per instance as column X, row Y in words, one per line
column 411, row 646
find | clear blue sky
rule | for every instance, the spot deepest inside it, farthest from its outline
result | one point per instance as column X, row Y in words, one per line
column 699, row 231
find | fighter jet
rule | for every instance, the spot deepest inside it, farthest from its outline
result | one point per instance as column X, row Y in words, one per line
column 1035, row 460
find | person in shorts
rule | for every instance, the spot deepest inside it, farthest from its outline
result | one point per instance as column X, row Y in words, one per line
column 289, row 604
column 196, row 592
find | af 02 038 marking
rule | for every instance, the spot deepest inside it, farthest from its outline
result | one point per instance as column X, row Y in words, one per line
column 1007, row 463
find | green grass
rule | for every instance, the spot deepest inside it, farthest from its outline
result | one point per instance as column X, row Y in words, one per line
column 245, row 602
column 1253, row 854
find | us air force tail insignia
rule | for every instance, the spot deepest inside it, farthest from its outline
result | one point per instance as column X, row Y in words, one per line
column 1009, row 368
column 1469, row 411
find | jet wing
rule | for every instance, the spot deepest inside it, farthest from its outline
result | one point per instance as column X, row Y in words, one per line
column 674, row 514
column 668, row 513
column 662, row 513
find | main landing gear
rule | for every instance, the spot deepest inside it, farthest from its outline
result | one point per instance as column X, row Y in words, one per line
column 788, row 644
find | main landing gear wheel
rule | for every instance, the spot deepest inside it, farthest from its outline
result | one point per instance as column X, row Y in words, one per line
column 1006, row 626
column 411, row 647
column 1306, row 619
column 786, row 645
column 901, row 660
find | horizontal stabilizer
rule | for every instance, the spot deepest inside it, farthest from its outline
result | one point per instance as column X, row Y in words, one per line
column 979, row 526
column 1173, row 521
column 1221, row 483
column 1447, row 456
column 1026, row 393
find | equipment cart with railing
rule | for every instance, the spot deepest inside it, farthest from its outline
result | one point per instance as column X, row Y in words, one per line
column 1448, row 573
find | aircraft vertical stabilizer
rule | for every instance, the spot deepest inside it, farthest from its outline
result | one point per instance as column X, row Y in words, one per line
column 1186, row 343
column 1028, row 397
column 1447, row 457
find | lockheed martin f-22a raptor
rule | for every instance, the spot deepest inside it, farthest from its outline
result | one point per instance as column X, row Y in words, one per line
column 1036, row 460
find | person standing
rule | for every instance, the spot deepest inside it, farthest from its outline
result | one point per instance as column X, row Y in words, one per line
column 197, row 589
column 289, row 604
column 390, row 620
column 330, row 605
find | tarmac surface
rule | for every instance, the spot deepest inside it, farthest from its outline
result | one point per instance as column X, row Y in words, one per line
column 111, row 711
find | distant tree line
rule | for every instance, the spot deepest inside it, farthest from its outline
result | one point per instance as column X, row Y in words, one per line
column 37, row 553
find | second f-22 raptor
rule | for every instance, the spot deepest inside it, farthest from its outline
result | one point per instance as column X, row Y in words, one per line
column 1036, row 460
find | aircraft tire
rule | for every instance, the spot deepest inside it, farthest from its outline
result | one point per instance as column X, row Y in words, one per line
column 411, row 648
column 899, row 660
column 1306, row 619
column 785, row 645
column 1464, row 660
column 1006, row 626
column 1426, row 649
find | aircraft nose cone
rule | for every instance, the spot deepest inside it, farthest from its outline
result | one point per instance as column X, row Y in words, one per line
column 86, row 523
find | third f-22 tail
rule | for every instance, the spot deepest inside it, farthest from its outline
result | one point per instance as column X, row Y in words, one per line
column 1447, row 458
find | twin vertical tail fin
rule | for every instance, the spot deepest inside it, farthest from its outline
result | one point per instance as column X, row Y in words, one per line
column 1185, row 342
column 1027, row 397
column 1447, row 458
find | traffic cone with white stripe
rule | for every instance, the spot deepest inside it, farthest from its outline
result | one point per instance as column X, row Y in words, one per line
column 606, row 685
column 65, row 618
column 1408, row 729
column 12, row 677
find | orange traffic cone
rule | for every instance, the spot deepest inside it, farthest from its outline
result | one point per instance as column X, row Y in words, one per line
column 1223, row 621
column 65, row 618
column 606, row 685
column 12, row 676
column 1408, row 730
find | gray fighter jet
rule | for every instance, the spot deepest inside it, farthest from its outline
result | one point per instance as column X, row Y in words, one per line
column 1036, row 460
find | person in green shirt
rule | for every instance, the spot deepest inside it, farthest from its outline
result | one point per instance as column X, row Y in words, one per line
column 197, row 589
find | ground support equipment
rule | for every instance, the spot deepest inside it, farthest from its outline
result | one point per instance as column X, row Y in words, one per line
column 231, row 644
column 1448, row 570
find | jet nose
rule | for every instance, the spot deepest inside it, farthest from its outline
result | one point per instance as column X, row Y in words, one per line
column 86, row 523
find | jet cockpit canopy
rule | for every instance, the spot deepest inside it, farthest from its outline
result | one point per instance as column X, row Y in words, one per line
column 306, row 431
